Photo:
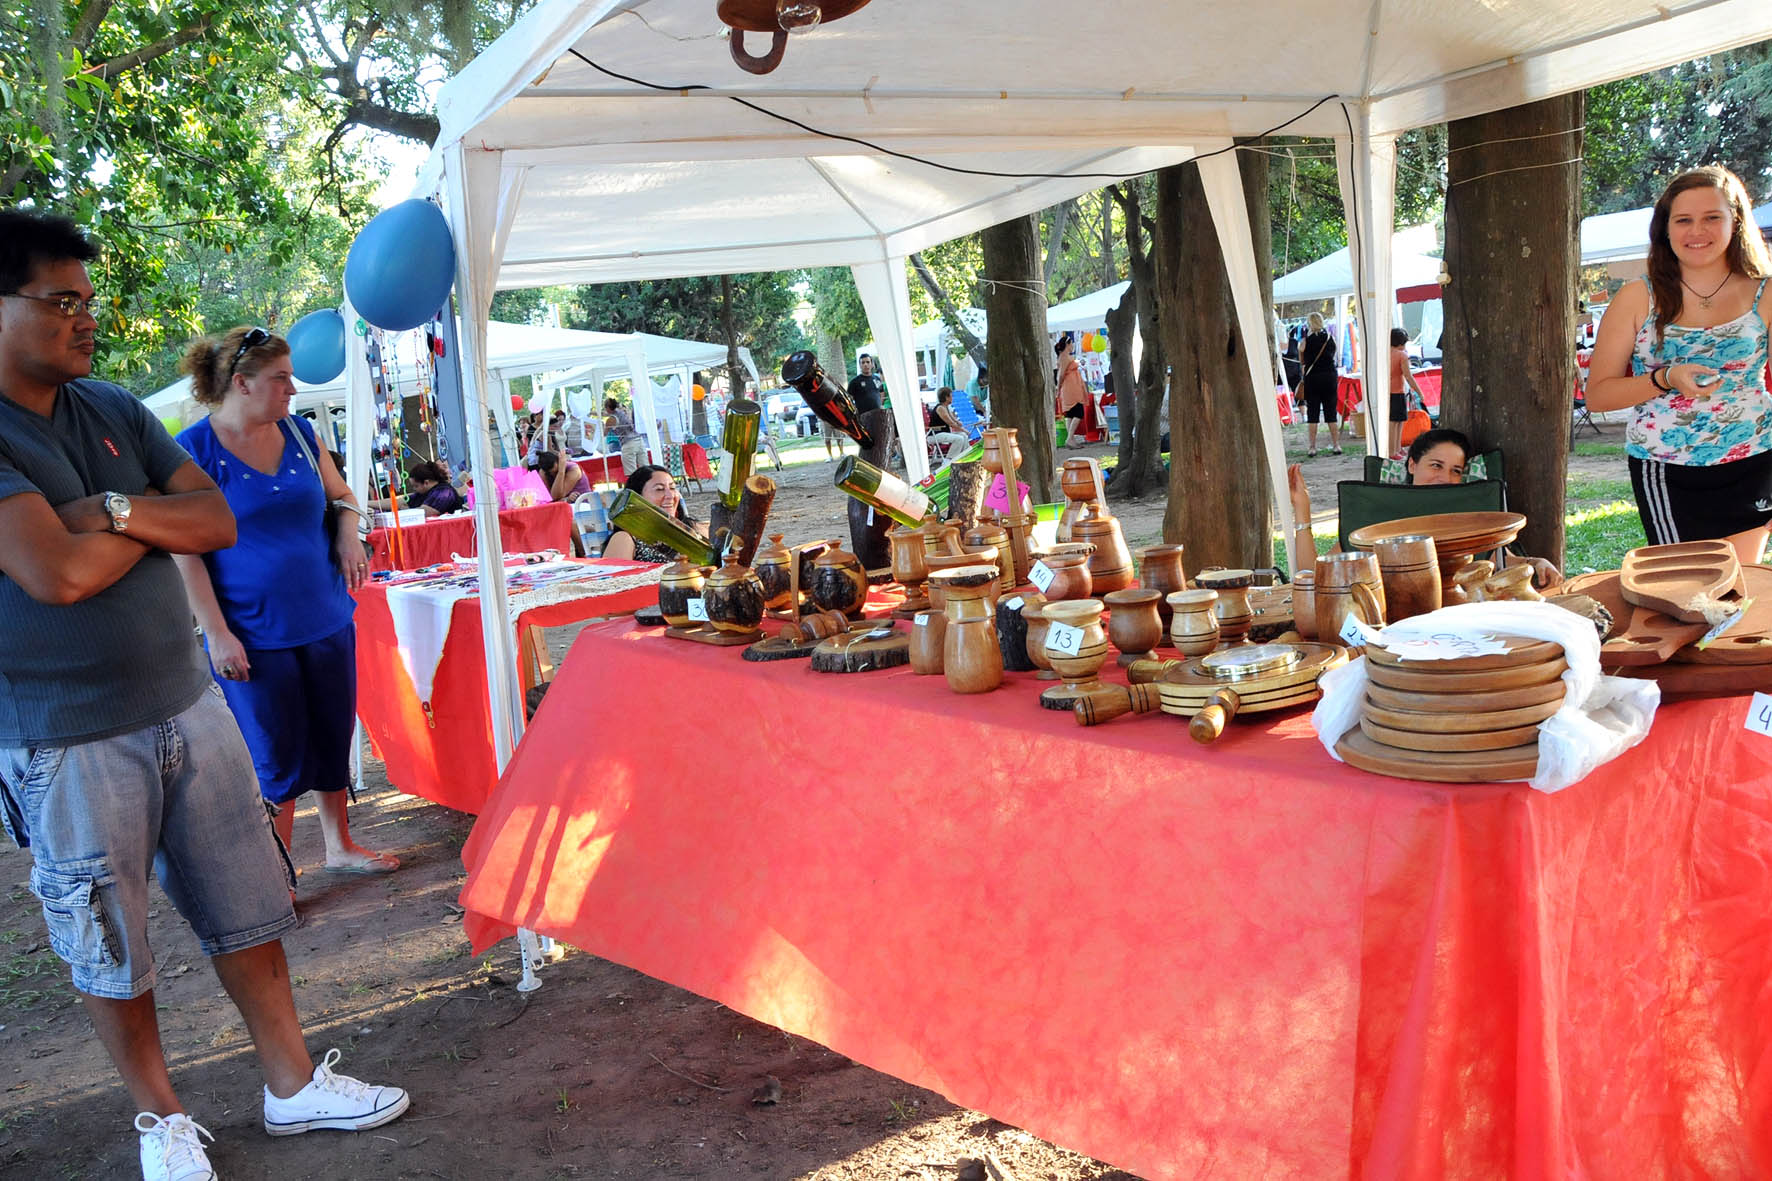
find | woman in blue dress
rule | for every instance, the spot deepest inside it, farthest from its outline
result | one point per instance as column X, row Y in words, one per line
column 275, row 607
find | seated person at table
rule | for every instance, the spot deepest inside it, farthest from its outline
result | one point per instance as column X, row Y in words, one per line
column 1436, row 457
column 657, row 486
column 944, row 426
column 566, row 481
column 428, row 487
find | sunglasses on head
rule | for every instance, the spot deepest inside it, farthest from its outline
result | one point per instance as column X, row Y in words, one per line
column 253, row 338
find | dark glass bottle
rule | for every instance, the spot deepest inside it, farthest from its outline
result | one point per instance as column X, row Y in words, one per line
column 634, row 514
column 827, row 399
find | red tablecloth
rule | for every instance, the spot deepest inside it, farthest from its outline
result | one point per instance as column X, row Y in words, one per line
column 448, row 756
column 1238, row 961
column 524, row 531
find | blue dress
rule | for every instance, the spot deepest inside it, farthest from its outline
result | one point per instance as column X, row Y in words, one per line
column 286, row 602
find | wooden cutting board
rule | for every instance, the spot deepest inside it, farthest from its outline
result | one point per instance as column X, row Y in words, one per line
column 1460, row 722
column 1421, row 740
column 781, row 648
column 1705, row 680
column 1650, row 637
column 1742, row 644
column 1477, row 766
column 862, row 650
column 1247, row 703
column 1486, row 681
column 1551, row 693
column 1521, row 651
column 1670, row 578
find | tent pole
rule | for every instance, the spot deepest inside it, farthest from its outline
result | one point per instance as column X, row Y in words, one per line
column 886, row 296
column 1367, row 167
column 1223, row 183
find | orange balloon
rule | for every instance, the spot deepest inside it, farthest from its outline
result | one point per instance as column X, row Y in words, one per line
column 697, row 393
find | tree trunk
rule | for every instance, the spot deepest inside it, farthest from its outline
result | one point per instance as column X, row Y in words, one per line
column 1140, row 466
column 1252, row 167
column 968, row 339
column 1219, row 504
column 1019, row 355
column 1513, row 212
column 735, row 375
column 1061, row 220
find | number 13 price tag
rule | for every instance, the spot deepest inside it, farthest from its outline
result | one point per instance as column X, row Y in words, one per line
column 1064, row 639
column 1041, row 576
column 698, row 610
column 1759, row 714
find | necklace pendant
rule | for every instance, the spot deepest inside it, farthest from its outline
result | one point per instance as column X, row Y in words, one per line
column 1704, row 303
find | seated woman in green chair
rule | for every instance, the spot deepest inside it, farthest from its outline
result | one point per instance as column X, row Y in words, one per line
column 1439, row 456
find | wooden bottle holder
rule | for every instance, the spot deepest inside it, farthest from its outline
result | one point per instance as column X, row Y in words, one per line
column 800, row 607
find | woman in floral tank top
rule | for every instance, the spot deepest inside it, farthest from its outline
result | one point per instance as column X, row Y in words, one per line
column 1686, row 349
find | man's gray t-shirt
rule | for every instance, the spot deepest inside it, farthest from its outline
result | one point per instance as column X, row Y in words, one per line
column 622, row 424
column 126, row 657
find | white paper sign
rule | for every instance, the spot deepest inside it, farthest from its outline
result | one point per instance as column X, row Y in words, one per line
column 1442, row 646
column 1704, row 641
column 723, row 469
column 1041, row 576
column 1759, row 714
column 1013, row 604
column 1064, row 639
column 698, row 611
column 923, row 617
column 1356, row 634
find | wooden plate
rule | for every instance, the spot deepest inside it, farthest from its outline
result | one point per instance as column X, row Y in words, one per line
column 1521, row 651
column 1460, row 722
column 1426, row 741
column 1667, row 578
column 1486, row 681
column 1454, row 534
column 1251, row 703
column 1551, row 693
column 1477, row 766
column 1313, row 661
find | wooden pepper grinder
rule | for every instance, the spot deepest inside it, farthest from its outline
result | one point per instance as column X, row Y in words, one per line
column 1002, row 455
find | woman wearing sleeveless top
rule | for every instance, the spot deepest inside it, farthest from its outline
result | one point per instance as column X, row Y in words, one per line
column 1686, row 350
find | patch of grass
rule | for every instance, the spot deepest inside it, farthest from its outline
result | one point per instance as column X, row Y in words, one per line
column 903, row 1112
column 1598, row 450
column 564, row 1103
column 1588, row 491
column 1598, row 538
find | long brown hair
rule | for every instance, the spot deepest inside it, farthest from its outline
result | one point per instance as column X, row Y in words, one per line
column 1747, row 250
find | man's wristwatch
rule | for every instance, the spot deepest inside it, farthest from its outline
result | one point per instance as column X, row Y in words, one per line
column 118, row 508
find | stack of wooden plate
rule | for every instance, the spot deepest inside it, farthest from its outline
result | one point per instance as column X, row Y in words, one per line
column 1457, row 721
column 1456, row 536
column 1264, row 677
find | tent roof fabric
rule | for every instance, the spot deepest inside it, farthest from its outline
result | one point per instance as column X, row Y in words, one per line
column 617, row 180
column 1333, row 275
column 1086, row 313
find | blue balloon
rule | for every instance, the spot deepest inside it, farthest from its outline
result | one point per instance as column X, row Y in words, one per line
column 401, row 266
column 317, row 346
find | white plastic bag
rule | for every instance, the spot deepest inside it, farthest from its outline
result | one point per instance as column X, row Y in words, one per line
column 1601, row 716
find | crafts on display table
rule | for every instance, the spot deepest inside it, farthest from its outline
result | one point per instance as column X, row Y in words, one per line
column 444, row 539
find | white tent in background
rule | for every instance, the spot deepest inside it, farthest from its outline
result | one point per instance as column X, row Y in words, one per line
column 1086, row 313
column 1332, row 276
column 604, row 140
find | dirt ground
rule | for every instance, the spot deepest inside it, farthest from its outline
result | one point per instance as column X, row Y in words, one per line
column 603, row 1073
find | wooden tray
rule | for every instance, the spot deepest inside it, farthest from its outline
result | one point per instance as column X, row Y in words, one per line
column 1486, row 681
column 1740, row 645
column 1667, row 578
column 1650, row 637
column 706, row 633
column 1705, row 680
column 1421, row 740
column 861, row 650
column 1314, row 660
column 1247, row 703
column 1521, row 651
column 1460, row 722
column 1551, row 693
column 1479, row 766
column 1455, row 535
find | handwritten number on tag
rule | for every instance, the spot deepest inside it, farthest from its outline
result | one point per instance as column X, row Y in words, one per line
column 1759, row 714
column 1351, row 633
column 1064, row 639
column 1041, row 576
column 698, row 611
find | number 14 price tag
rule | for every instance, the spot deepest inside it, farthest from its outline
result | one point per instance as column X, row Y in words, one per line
column 1041, row 576
column 1759, row 714
column 1064, row 639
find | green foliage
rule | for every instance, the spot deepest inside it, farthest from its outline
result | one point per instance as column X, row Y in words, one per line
column 692, row 309
column 836, row 304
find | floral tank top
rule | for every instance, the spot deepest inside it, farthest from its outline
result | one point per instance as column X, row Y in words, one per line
column 1732, row 419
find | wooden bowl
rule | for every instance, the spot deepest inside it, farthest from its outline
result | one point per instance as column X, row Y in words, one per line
column 1456, row 536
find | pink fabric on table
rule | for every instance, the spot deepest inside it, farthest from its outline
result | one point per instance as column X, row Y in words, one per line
column 512, row 479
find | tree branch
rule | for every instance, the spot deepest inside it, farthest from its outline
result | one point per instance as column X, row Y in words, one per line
column 1061, row 221
column 974, row 347
column 107, row 70
column 86, row 25
column 406, row 124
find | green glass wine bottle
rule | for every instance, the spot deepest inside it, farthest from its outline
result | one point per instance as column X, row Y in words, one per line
column 883, row 490
column 632, row 513
column 738, row 448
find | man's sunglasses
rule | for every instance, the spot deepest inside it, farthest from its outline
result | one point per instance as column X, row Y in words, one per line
column 253, row 338
column 70, row 305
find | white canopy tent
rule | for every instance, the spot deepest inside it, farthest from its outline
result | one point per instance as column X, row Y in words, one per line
column 1086, row 313
column 556, row 169
column 1332, row 276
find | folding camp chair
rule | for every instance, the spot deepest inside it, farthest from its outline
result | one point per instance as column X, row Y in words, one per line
column 1361, row 503
column 1582, row 415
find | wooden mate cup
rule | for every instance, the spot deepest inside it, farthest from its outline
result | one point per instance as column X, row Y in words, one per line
column 928, row 631
column 1410, row 569
column 1134, row 625
column 970, row 658
column 1080, row 669
column 1160, row 569
column 1193, row 624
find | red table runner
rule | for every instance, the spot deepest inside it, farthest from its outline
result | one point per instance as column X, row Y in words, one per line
column 1243, row 961
column 447, row 757
column 523, row 530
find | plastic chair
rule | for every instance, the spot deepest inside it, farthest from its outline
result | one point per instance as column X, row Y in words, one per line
column 1361, row 503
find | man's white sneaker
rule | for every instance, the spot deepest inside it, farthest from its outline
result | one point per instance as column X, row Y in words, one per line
column 172, row 1148
column 334, row 1101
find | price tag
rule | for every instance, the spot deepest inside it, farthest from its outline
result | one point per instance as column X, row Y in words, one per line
column 698, row 611
column 1704, row 641
column 1013, row 604
column 1356, row 634
column 1041, row 576
column 723, row 470
column 1064, row 639
column 923, row 617
column 1759, row 714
